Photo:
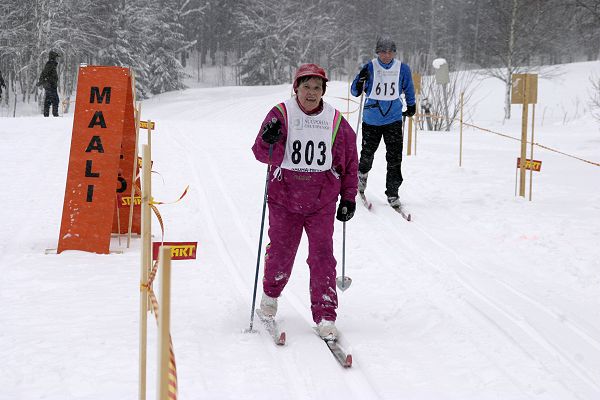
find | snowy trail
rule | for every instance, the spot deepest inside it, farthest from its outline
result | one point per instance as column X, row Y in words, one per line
column 483, row 296
column 235, row 246
column 539, row 332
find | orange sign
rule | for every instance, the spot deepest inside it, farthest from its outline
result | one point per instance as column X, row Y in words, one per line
column 179, row 250
column 128, row 157
column 534, row 165
column 104, row 100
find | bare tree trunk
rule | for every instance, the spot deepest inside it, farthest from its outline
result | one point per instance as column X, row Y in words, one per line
column 509, row 64
column 432, row 34
column 475, row 55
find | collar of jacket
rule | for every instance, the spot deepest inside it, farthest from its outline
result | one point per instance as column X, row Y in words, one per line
column 386, row 66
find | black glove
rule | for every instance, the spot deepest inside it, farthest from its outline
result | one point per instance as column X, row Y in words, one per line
column 363, row 76
column 410, row 111
column 345, row 210
column 272, row 131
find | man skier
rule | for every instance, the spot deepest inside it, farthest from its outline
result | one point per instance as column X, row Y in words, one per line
column 383, row 80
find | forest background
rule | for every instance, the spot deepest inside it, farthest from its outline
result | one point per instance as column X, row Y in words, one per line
column 261, row 43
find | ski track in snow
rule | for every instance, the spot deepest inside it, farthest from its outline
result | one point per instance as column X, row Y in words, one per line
column 478, row 291
column 456, row 305
column 487, row 297
column 354, row 381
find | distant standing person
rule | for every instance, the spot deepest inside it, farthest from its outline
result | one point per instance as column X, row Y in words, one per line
column 49, row 81
column 426, row 107
column 313, row 151
column 2, row 85
column 383, row 80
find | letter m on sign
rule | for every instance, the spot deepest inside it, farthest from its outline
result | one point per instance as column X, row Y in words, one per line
column 97, row 97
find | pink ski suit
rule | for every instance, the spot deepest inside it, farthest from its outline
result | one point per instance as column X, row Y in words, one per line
column 306, row 200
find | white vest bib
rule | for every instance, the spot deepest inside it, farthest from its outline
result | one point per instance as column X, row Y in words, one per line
column 385, row 81
column 309, row 140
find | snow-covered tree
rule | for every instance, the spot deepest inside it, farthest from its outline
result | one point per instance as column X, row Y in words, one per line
column 282, row 35
column 166, row 71
column 127, row 34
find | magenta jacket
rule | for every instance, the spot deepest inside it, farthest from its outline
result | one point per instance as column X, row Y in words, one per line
column 307, row 192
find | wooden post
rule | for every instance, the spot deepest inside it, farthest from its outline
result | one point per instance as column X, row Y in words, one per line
column 348, row 103
column 409, row 144
column 150, row 135
column 523, row 141
column 415, row 142
column 531, row 170
column 118, row 219
column 138, row 113
column 416, row 118
column 446, row 107
column 146, row 259
column 461, row 131
column 164, row 323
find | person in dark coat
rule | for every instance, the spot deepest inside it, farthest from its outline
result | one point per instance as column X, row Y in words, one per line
column 49, row 81
column 2, row 84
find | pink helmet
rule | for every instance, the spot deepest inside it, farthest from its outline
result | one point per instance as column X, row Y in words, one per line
column 310, row 70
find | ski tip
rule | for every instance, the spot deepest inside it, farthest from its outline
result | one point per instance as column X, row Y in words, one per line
column 348, row 362
column 281, row 340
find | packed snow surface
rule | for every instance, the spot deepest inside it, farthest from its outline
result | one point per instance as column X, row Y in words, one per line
column 484, row 295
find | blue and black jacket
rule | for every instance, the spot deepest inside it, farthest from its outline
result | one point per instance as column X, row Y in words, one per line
column 381, row 112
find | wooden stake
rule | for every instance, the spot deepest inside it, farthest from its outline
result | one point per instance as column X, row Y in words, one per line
column 150, row 135
column 146, row 259
column 348, row 103
column 118, row 220
column 409, row 144
column 138, row 113
column 409, row 137
column 531, row 170
column 164, row 323
column 523, row 141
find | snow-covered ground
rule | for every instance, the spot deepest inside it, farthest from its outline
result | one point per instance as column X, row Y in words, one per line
column 483, row 295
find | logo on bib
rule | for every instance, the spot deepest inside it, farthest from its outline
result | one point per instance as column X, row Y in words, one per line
column 314, row 123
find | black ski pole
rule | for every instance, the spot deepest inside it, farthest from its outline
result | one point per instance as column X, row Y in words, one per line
column 262, row 225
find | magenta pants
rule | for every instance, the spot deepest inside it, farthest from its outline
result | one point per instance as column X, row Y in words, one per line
column 285, row 232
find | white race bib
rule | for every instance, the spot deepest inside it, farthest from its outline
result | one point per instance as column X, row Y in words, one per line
column 385, row 81
column 308, row 146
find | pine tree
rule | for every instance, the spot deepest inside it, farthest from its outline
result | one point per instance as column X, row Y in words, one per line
column 128, row 32
column 166, row 71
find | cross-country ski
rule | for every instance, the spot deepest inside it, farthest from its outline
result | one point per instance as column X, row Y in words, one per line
column 272, row 328
column 368, row 205
column 400, row 210
column 343, row 358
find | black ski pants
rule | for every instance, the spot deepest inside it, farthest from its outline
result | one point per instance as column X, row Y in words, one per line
column 393, row 139
column 51, row 98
